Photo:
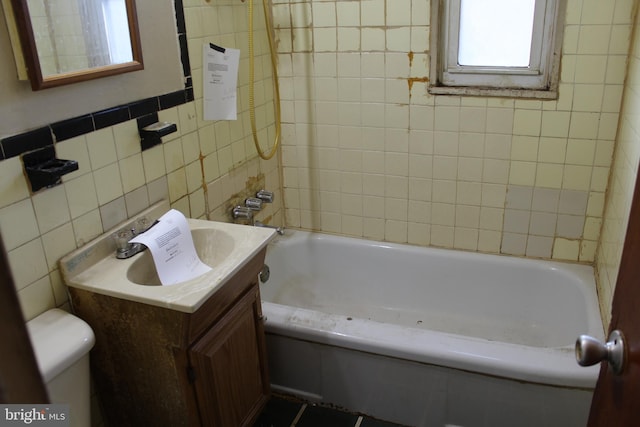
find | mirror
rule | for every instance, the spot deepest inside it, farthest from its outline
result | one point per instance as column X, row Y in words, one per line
column 68, row 41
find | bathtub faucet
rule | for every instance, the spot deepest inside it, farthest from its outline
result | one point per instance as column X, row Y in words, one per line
column 279, row 230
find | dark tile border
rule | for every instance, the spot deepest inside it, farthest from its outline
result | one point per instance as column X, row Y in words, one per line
column 16, row 145
column 28, row 141
column 71, row 128
column 111, row 117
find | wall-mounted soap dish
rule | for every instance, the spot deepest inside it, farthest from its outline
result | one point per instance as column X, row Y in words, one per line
column 44, row 169
column 152, row 130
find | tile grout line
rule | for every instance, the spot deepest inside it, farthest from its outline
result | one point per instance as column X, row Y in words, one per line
column 299, row 415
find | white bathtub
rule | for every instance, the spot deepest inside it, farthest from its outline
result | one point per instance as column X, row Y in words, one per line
column 429, row 337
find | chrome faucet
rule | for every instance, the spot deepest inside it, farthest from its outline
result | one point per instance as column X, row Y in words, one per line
column 279, row 230
column 254, row 204
column 124, row 249
column 242, row 212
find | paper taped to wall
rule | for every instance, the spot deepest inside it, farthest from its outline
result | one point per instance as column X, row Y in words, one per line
column 220, row 81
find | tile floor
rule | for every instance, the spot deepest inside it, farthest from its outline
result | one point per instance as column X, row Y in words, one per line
column 285, row 412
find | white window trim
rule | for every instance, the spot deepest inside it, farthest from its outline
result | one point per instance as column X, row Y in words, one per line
column 449, row 78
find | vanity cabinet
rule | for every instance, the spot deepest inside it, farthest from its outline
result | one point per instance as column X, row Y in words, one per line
column 155, row 366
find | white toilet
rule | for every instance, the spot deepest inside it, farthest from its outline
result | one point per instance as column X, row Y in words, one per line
column 61, row 343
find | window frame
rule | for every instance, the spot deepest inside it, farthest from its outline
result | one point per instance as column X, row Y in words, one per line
column 539, row 80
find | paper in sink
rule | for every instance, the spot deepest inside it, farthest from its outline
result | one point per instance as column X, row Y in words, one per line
column 172, row 248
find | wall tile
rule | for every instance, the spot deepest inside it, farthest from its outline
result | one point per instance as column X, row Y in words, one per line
column 28, row 263
column 522, row 173
column 524, row 148
column 465, row 238
column 576, row 177
column 57, row 243
column 573, row 202
column 442, row 236
column 131, row 173
column 543, row 224
column 519, row 197
column 102, row 149
column 491, row 218
column 570, row 226
column 596, row 12
column 51, row 208
column 126, row 138
column 108, row 183
column 13, row 185
column 468, row 217
column 514, row 244
column 590, row 68
column 154, row 163
column 552, row 150
column 564, row 249
column 136, row 201
column 516, row 221
column 594, row 39
column 549, row 175
column 177, row 182
column 527, row 122
column 113, row 213
column 18, row 224
column 36, row 298
column 348, row 14
column 545, row 199
column 489, row 241
column 373, row 39
column 419, row 234
column 580, row 151
column 75, row 149
column 372, row 13
column 539, row 247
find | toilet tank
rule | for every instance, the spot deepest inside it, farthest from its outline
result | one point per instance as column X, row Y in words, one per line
column 61, row 343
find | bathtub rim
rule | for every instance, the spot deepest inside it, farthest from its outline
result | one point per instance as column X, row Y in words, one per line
column 547, row 366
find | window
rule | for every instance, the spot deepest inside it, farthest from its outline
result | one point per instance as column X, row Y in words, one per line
column 496, row 47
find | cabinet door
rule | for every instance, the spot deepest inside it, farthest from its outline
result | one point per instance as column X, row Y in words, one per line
column 229, row 363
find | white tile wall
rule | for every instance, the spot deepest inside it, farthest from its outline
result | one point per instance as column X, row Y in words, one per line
column 448, row 166
column 623, row 176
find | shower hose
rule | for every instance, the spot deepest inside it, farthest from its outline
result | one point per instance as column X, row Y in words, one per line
column 276, row 87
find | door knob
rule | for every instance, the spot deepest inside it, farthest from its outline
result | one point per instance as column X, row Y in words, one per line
column 590, row 351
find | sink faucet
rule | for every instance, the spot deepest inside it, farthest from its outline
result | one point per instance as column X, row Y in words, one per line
column 124, row 249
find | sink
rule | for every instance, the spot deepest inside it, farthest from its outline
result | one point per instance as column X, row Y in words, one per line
column 213, row 247
column 224, row 247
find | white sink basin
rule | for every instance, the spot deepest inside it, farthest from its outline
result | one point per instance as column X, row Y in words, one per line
column 213, row 247
column 224, row 247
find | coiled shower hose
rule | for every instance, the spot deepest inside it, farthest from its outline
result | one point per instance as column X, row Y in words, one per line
column 276, row 87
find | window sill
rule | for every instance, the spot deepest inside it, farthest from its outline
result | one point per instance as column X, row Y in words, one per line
column 494, row 92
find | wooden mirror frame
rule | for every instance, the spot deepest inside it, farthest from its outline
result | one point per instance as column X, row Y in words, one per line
column 30, row 52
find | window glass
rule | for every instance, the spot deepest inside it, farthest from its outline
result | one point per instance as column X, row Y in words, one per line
column 495, row 32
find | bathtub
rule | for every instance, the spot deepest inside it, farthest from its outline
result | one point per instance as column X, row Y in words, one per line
column 429, row 337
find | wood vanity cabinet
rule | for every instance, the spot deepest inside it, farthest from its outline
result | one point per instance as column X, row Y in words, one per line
column 153, row 366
